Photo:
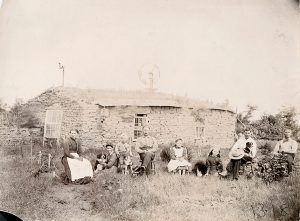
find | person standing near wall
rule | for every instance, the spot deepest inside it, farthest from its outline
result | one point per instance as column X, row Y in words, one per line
column 287, row 146
column 146, row 146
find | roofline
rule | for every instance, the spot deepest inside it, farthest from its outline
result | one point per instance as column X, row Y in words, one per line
column 60, row 88
column 222, row 109
column 206, row 108
column 126, row 105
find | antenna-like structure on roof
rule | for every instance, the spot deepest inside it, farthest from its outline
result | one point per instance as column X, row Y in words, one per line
column 60, row 66
column 148, row 74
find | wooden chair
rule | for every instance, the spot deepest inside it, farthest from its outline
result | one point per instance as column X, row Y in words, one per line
column 152, row 166
column 182, row 170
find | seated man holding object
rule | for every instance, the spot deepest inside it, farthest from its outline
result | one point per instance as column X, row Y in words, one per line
column 146, row 146
column 243, row 151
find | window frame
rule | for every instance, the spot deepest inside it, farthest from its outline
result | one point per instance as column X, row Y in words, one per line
column 138, row 126
column 200, row 132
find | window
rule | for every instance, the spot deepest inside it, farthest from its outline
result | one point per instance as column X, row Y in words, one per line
column 53, row 123
column 140, row 120
column 200, row 131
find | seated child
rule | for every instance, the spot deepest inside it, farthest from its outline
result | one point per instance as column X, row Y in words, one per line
column 100, row 161
column 213, row 162
column 179, row 157
column 123, row 149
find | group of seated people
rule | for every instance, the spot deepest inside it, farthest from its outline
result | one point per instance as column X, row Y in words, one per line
column 115, row 157
column 243, row 151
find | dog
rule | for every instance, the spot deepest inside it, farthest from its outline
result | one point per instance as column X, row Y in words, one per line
column 101, row 159
column 200, row 168
column 248, row 147
column 127, row 166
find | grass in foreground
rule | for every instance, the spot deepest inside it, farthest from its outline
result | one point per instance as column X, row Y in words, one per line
column 173, row 197
column 159, row 197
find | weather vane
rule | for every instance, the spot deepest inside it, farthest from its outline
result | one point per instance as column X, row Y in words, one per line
column 60, row 66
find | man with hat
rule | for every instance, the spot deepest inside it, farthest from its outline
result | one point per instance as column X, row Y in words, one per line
column 233, row 166
column 243, row 151
column 112, row 159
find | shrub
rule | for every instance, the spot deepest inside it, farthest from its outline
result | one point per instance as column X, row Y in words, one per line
column 165, row 153
column 266, row 148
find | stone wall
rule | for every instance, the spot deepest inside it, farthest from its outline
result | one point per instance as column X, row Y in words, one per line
column 72, row 110
column 171, row 123
column 9, row 136
column 167, row 124
column 119, row 120
column 18, row 141
column 91, row 132
column 220, row 128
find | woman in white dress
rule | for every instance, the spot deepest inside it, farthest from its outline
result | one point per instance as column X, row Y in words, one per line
column 179, row 157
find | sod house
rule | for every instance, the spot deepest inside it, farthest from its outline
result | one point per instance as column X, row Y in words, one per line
column 102, row 115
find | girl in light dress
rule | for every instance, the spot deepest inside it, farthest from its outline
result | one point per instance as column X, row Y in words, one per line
column 178, row 157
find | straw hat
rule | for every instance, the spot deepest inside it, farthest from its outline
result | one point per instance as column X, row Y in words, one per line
column 236, row 154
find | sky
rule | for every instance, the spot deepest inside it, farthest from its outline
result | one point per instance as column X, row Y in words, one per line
column 243, row 51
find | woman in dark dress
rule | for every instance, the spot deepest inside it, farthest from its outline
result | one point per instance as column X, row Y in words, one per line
column 75, row 165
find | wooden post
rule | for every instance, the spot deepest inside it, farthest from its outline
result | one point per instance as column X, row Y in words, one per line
column 40, row 157
column 22, row 154
column 49, row 160
column 30, row 150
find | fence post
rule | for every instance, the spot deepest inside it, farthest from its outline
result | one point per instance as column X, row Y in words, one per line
column 31, row 150
column 21, row 147
column 40, row 157
column 49, row 159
